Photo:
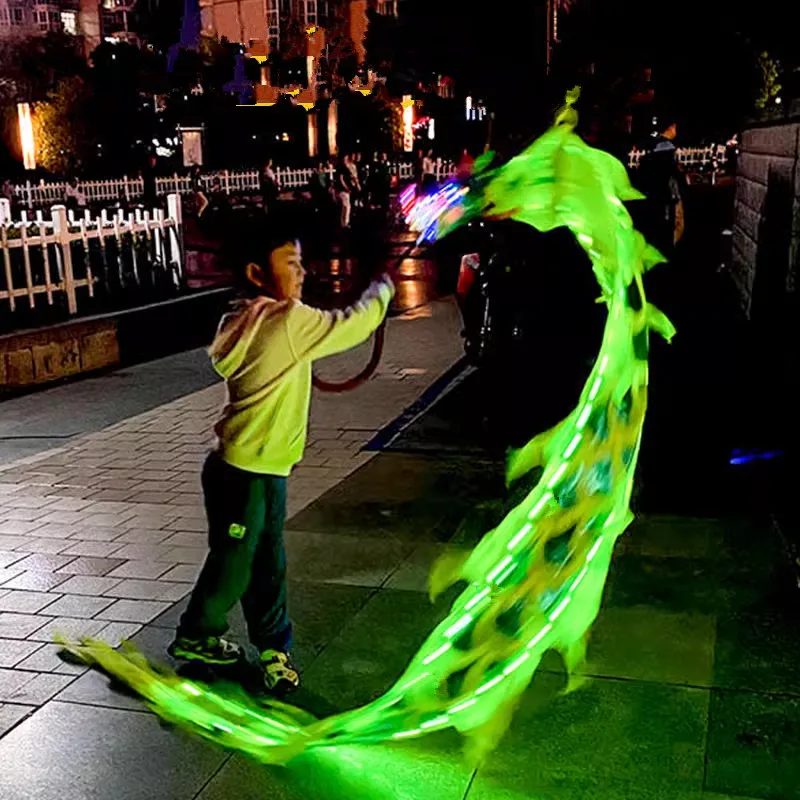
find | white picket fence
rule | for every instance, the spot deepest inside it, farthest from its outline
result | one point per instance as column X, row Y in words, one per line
column 714, row 156
column 125, row 189
column 37, row 253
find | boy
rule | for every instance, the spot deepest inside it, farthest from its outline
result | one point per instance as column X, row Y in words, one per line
column 264, row 349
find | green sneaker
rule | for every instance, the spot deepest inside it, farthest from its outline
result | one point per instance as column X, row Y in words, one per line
column 213, row 650
column 280, row 675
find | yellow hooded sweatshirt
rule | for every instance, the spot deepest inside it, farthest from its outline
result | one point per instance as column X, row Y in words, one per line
column 264, row 349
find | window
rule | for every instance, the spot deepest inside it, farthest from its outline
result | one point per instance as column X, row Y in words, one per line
column 69, row 21
column 273, row 25
column 17, row 16
column 310, row 12
column 387, row 7
column 3, row 16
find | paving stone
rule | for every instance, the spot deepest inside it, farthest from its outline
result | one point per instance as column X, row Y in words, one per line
column 86, row 565
column 55, row 531
column 113, row 494
column 412, row 574
column 63, row 517
column 184, row 539
column 115, row 632
column 67, row 627
column 17, row 527
column 143, row 552
column 67, row 503
column 107, row 507
column 8, row 573
column 59, row 745
column 43, row 562
column 758, row 652
column 358, row 665
column 87, row 584
column 11, row 714
column 140, row 569
column 19, row 626
column 139, row 536
column 343, row 559
column 136, row 589
column 42, row 687
column 22, row 514
column 12, row 651
column 184, row 555
column 7, row 558
column 47, row 658
column 11, row 682
column 648, row 644
column 190, row 524
column 133, row 611
column 433, row 768
column 36, row 581
column 106, row 520
column 77, row 605
column 663, row 729
column 170, row 618
column 26, row 602
column 11, row 541
column 43, row 545
column 92, row 548
column 182, row 573
column 98, row 534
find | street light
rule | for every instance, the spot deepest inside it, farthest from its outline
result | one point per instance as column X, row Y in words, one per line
column 26, row 135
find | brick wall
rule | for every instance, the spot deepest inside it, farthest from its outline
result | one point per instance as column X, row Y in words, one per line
column 766, row 235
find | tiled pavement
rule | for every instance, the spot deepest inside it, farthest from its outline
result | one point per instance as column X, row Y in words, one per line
column 693, row 690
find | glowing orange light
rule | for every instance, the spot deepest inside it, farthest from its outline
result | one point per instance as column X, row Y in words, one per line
column 26, row 135
column 408, row 123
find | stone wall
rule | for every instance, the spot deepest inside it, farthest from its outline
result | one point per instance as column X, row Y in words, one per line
column 50, row 354
column 766, row 235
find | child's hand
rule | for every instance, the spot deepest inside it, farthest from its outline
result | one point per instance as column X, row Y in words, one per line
column 386, row 280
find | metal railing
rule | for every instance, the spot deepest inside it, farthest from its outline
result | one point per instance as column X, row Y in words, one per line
column 52, row 257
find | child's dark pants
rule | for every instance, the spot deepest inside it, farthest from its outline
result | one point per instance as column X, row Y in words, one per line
column 247, row 562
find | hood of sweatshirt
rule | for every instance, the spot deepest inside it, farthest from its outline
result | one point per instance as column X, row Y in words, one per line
column 237, row 329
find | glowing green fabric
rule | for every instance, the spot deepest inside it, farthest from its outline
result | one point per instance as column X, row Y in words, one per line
column 535, row 582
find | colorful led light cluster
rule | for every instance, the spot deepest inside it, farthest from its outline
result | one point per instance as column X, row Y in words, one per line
column 425, row 213
column 535, row 582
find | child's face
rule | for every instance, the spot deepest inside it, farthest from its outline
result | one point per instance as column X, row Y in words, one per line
column 286, row 267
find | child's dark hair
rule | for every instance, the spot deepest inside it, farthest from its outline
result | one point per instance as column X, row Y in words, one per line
column 251, row 238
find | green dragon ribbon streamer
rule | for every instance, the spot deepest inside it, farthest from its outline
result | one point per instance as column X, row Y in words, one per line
column 535, row 581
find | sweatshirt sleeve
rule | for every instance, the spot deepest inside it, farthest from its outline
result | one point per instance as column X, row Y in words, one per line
column 315, row 334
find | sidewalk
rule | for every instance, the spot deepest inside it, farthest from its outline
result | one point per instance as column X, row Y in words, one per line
column 693, row 691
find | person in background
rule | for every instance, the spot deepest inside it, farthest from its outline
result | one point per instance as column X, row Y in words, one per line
column 320, row 187
column 428, row 171
column 264, row 350
column 75, row 196
column 7, row 192
column 380, row 183
column 198, row 191
column 465, row 166
column 346, row 184
column 270, row 187
column 149, row 189
column 352, row 163
column 363, row 170
column 660, row 216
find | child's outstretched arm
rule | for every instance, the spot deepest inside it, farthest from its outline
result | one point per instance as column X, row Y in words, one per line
column 315, row 334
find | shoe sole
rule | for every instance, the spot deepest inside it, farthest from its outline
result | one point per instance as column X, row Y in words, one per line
column 188, row 655
column 282, row 689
